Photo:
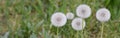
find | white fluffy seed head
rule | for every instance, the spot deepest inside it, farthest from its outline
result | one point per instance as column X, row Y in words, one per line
column 58, row 19
column 103, row 15
column 78, row 24
column 83, row 11
column 70, row 15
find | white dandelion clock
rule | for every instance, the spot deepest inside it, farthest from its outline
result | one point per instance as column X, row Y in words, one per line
column 78, row 24
column 103, row 15
column 83, row 11
column 70, row 15
column 58, row 19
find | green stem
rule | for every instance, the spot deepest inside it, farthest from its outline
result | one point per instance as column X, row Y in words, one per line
column 77, row 34
column 82, row 36
column 82, row 33
column 102, row 27
column 57, row 32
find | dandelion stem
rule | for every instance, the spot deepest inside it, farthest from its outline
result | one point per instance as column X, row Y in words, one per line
column 82, row 36
column 82, row 31
column 57, row 32
column 77, row 34
column 102, row 27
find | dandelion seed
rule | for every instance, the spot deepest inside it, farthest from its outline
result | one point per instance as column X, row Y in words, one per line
column 58, row 19
column 103, row 15
column 78, row 24
column 70, row 15
column 83, row 11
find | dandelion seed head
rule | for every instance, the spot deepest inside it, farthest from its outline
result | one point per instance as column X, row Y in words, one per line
column 70, row 15
column 78, row 24
column 83, row 11
column 58, row 19
column 103, row 15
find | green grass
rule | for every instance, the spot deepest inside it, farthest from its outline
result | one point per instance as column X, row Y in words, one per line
column 31, row 19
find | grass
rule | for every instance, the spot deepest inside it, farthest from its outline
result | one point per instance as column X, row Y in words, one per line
column 31, row 19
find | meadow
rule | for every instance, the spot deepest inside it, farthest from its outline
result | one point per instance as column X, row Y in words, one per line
column 32, row 19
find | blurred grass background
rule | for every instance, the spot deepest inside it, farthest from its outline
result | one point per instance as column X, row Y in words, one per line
column 31, row 19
